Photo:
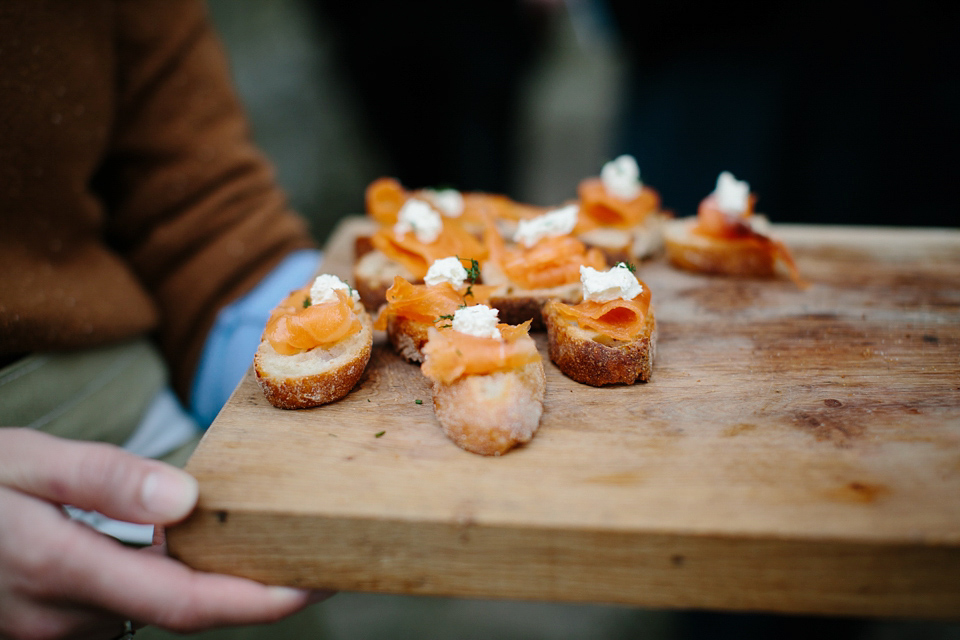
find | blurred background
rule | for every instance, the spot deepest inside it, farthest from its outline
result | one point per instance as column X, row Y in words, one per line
column 832, row 116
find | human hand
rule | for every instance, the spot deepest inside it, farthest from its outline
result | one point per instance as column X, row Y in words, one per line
column 61, row 579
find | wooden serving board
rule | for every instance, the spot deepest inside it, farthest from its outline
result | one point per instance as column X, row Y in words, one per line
column 795, row 451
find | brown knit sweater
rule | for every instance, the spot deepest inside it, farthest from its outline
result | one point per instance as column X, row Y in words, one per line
column 131, row 197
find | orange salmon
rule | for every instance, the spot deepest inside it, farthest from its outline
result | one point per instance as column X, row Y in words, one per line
column 619, row 319
column 602, row 208
column 386, row 196
column 551, row 262
column 450, row 355
column 293, row 328
column 425, row 303
column 712, row 222
column 418, row 256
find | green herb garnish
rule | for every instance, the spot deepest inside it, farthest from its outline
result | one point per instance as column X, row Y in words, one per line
column 418, row 401
column 626, row 265
column 379, row 434
column 306, row 302
column 473, row 274
column 446, row 325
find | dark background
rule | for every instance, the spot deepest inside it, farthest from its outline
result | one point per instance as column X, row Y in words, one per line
column 834, row 113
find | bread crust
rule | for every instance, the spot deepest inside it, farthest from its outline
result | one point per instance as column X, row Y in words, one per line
column 317, row 376
column 407, row 336
column 373, row 274
column 362, row 245
column 694, row 252
column 591, row 358
column 632, row 244
column 517, row 305
column 492, row 413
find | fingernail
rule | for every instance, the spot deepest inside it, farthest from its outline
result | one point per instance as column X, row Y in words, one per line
column 169, row 494
column 288, row 595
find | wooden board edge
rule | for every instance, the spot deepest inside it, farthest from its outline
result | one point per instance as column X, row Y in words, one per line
column 640, row 569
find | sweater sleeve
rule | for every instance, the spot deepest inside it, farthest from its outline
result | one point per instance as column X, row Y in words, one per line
column 192, row 204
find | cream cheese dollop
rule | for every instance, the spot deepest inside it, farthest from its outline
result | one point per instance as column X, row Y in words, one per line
column 323, row 288
column 420, row 218
column 448, row 201
column 446, row 270
column 478, row 320
column 559, row 222
column 621, row 177
column 613, row 284
column 731, row 195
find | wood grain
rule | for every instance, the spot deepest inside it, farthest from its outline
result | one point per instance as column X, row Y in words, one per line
column 795, row 451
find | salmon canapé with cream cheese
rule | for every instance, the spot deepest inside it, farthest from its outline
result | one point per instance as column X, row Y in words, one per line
column 739, row 228
column 552, row 260
column 618, row 319
column 602, row 208
column 296, row 325
column 451, row 355
column 429, row 303
column 417, row 252
column 386, row 196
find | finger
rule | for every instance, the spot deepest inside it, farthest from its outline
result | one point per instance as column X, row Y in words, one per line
column 96, row 477
column 161, row 591
column 43, row 620
column 31, row 600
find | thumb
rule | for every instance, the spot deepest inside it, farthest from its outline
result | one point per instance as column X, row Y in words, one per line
column 95, row 476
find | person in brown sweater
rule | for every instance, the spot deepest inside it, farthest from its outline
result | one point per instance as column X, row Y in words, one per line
column 132, row 203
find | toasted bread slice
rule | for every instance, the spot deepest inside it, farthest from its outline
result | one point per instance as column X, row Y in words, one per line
column 629, row 245
column 735, row 257
column 517, row 305
column 595, row 359
column 490, row 414
column 407, row 336
column 373, row 274
column 362, row 245
column 317, row 376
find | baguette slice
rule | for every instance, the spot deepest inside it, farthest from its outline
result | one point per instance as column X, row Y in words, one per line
column 629, row 245
column 412, row 310
column 317, row 376
column 592, row 358
column 490, row 414
column 736, row 257
column 373, row 274
column 517, row 305
column 407, row 336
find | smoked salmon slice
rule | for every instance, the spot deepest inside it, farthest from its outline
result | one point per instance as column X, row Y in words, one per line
column 714, row 223
column 551, row 262
column 296, row 325
column 428, row 303
column 605, row 209
column 417, row 256
column 450, row 355
column 386, row 196
column 619, row 319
